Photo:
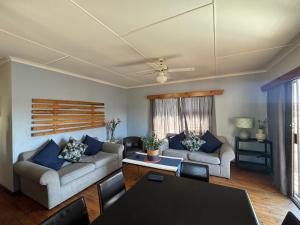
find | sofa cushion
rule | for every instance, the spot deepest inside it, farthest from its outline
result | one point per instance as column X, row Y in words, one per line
column 94, row 146
column 48, row 156
column 100, row 159
column 74, row 171
column 73, row 151
column 176, row 153
column 175, row 141
column 211, row 143
column 193, row 142
column 210, row 158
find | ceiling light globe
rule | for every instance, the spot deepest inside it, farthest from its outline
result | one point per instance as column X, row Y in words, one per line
column 161, row 79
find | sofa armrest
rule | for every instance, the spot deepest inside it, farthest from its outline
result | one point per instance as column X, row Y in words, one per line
column 226, row 153
column 36, row 173
column 114, row 148
column 164, row 146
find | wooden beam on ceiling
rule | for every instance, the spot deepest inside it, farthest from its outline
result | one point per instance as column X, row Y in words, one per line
column 186, row 94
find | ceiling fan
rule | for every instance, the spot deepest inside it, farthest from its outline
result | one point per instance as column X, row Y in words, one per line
column 159, row 67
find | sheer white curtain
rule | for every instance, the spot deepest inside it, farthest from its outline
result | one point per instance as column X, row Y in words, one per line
column 166, row 117
column 199, row 114
column 175, row 115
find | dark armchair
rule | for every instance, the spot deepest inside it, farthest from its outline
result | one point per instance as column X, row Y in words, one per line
column 131, row 145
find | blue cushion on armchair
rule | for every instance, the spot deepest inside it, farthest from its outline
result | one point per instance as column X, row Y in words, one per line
column 211, row 143
column 94, row 146
column 175, row 141
column 48, row 156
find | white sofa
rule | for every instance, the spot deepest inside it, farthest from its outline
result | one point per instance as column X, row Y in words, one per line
column 50, row 187
column 218, row 162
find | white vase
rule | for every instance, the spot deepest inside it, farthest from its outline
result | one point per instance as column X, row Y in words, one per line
column 260, row 135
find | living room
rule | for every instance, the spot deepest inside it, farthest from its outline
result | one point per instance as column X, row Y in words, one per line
column 144, row 89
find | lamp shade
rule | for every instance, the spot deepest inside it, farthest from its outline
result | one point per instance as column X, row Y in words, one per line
column 244, row 122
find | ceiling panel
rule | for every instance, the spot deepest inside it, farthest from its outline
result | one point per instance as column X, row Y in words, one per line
column 251, row 25
column 125, row 16
column 130, row 70
column 248, row 35
column 246, row 62
column 13, row 46
column 189, row 35
column 73, row 65
column 64, row 26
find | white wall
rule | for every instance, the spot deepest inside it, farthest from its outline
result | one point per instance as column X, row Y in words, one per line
column 242, row 97
column 29, row 82
column 20, row 83
column 6, row 169
column 290, row 62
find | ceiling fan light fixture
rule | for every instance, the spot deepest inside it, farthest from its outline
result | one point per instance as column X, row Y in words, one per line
column 161, row 78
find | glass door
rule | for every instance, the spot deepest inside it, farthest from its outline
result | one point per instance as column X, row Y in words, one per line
column 296, row 146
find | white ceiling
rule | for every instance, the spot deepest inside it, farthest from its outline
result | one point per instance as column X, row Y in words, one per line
column 90, row 37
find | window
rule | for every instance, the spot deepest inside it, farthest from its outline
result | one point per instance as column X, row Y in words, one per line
column 174, row 115
column 296, row 146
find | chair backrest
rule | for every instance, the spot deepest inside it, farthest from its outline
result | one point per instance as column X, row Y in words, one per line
column 110, row 190
column 290, row 219
column 133, row 142
column 195, row 171
column 73, row 214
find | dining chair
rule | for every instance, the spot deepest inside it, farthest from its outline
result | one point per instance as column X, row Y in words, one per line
column 73, row 214
column 110, row 190
column 290, row 219
column 132, row 144
column 194, row 171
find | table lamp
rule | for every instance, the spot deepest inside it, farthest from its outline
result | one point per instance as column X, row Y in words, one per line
column 244, row 123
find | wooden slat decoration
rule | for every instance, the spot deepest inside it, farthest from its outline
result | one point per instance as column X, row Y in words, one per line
column 53, row 106
column 57, row 112
column 55, row 117
column 59, row 116
column 186, row 94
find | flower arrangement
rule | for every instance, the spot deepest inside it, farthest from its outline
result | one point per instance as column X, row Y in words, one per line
column 112, row 125
column 262, row 124
column 193, row 142
column 152, row 143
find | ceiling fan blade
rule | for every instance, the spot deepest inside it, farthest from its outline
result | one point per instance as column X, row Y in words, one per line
column 148, row 60
column 137, row 62
column 170, row 56
column 175, row 70
column 143, row 72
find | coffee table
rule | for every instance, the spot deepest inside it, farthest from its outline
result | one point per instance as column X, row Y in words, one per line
column 167, row 164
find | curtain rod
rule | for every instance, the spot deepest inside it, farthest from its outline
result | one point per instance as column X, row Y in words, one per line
column 186, row 94
column 291, row 75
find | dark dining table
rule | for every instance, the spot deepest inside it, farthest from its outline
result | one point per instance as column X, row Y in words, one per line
column 180, row 201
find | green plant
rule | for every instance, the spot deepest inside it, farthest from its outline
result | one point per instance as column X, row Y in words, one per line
column 152, row 142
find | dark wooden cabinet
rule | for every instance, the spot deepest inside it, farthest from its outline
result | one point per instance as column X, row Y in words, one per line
column 249, row 156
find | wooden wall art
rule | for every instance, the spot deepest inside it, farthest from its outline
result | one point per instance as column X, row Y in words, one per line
column 59, row 116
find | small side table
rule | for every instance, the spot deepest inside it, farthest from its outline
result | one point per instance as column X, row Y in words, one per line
column 267, row 155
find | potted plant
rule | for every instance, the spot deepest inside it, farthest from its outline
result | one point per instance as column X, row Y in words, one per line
column 112, row 125
column 152, row 144
column 261, row 135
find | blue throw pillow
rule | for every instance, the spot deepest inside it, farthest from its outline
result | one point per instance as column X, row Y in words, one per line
column 175, row 141
column 94, row 146
column 48, row 156
column 211, row 143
